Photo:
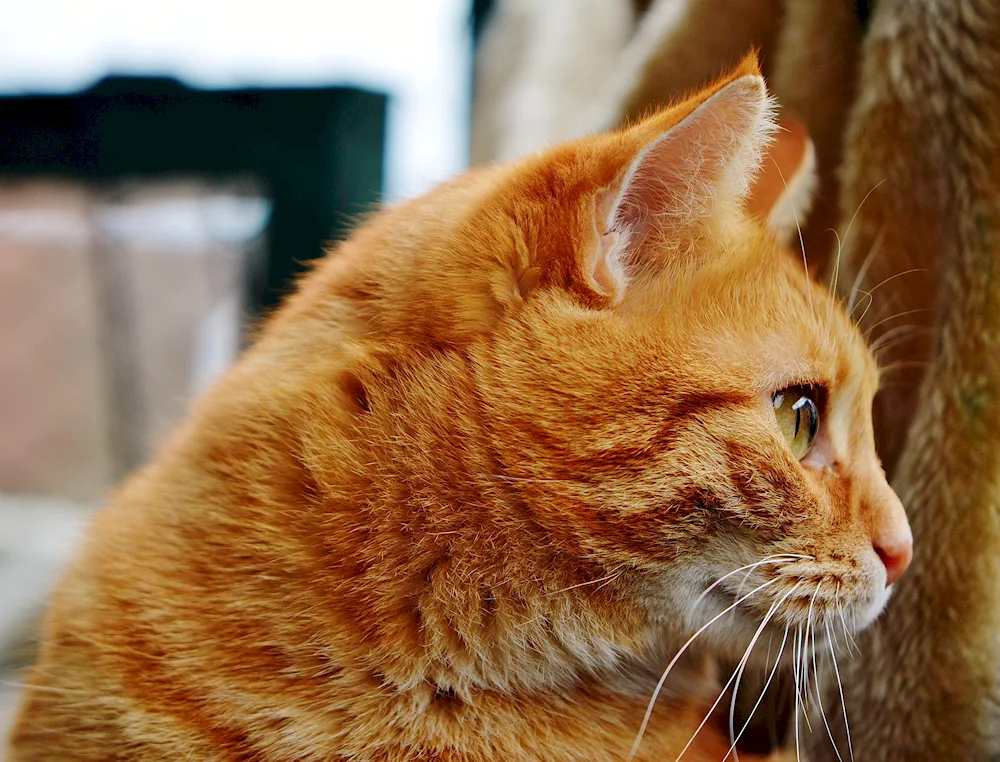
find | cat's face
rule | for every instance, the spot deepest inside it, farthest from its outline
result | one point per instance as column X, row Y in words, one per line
column 704, row 421
column 635, row 393
column 666, row 441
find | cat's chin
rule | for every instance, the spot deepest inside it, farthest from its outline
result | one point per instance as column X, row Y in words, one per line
column 726, row 630
column 865, row 615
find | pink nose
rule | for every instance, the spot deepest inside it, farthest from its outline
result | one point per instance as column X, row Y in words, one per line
column 896, row 554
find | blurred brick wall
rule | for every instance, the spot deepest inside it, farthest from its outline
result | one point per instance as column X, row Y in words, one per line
column 53, row 405
column 115, row 308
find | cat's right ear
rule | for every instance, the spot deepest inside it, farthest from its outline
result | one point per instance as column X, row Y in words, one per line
column 782, row 192
column 684, row 173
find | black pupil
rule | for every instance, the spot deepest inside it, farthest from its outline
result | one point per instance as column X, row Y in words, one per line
column 805, row 403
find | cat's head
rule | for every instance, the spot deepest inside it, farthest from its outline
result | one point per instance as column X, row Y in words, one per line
column 663, row 391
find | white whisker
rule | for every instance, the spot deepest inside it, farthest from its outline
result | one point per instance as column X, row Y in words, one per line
column 857, row 211
column 847, row 234
column 896, row 335
column 875, row 325
column 859, row 278
column 809, row 629
column 735, row 740
column 677, row 656
column 800, row 678
column 795, row 680
column 836, row 266
column 802, row 244
column 843, row 703
column 871, row 301
column 852, row 646
column 738, row 672
column 605, row 579
column 778, row 558
column 767, row 684
column 881, row 283
column 819, row 692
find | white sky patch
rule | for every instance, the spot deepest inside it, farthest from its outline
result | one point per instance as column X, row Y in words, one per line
column 419, row 51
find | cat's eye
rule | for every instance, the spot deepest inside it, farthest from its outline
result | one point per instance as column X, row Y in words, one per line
column 798, row 417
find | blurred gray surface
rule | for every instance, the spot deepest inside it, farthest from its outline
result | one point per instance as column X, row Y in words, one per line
column 37, row 537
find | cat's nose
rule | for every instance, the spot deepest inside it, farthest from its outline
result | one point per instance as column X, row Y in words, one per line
column 895, row 550
column 892, row 539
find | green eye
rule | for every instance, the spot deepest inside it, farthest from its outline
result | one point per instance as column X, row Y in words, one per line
column 798, row 417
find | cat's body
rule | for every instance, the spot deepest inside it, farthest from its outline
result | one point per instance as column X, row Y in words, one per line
column 461, row 498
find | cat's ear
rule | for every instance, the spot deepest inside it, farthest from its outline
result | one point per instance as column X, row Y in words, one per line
column 782, row 192
column 683, row 173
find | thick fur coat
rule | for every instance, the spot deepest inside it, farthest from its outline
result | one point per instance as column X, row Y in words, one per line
column 506, row 450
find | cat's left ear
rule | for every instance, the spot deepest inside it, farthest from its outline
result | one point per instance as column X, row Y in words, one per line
column 684, row 173
column 687, row 172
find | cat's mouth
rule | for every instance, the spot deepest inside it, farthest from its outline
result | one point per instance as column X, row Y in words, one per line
column 798, row 629
column 798, row 600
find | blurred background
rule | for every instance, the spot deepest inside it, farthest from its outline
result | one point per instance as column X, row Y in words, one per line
column 165, row 170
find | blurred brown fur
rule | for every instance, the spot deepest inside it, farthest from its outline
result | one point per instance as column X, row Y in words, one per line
column 922, row 261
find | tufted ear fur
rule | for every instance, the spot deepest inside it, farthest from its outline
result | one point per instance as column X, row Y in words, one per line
column 685, row 173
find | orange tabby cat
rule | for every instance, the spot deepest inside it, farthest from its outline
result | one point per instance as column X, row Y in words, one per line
column 462, row 498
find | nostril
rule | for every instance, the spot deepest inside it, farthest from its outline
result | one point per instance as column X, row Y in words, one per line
column 896, row 558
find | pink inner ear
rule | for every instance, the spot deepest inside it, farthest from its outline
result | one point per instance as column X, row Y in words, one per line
column 605, row 269
column 688, row 168
column 607, row 280
column 782, row 162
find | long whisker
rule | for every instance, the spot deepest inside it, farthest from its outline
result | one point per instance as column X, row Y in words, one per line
column 847, row 233
column 778, row 558
column 875, row 325
column 767, row 684
column 868, row 306
column 819, row 699
column 605, row 579
column 857, row 211
column 840, row 687
column 677, row 656
column 738, row 672
column 833, row 283
column 802, row 244
column 732, row 706
column 801, row 677
column 860, row 277
column 794, row 557
column 819, row 692
column 795, row 680
column 852, row 646
column 836, row 265
column 903, row 364
column 739, row 676
column 808, row 648
column 898, row 334
column 881, row 283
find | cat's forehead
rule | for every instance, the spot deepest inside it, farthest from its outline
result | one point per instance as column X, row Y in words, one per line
column 763, row 320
